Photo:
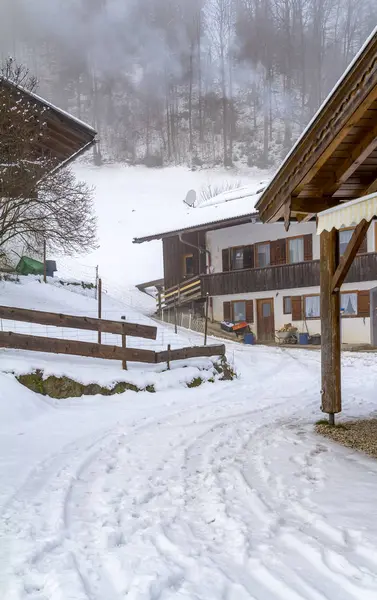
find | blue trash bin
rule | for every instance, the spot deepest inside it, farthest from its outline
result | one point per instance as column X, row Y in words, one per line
column 249, row 338
column 303, row 339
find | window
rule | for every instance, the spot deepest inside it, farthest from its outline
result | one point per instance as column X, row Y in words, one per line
column 312, row 307
column 348, row 304
column 240, row 258
column 266, row 309
column 296, row 250
column 188, row 264
column 263, row 255
column 239, row 311
column 344, row 237
column 237, row 258
column 287, row 305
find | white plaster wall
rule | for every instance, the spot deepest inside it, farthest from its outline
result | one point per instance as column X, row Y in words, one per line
column 354, row 330
column 252, row 233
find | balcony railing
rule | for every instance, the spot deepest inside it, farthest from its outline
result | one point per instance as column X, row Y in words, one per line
column 280, row 277
column 297, row 275
column 184, row 292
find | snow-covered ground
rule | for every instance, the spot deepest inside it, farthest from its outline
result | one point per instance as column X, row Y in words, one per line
column 222, row 492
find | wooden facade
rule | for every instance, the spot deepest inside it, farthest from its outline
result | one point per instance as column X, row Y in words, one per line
column 176, row 250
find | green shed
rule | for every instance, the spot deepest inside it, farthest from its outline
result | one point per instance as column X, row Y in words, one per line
column 29, row 266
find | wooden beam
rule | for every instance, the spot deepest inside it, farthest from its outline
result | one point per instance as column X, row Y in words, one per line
column 191, row 352
column 330, row 325
column 349, row 255
column 312, row 205
column 372, row 187
column 358, row 155
column 59, row 346
column 75, row 322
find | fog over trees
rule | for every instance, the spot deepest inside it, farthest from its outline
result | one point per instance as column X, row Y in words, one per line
column 188, row 81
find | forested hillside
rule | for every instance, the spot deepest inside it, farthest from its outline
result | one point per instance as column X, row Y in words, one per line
column 188, row 81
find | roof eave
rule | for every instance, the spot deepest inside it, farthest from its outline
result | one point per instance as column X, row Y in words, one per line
column 267, row 198
column 221, row 224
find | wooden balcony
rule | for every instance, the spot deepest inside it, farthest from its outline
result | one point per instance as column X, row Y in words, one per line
column 298, row 275
column 180, row 294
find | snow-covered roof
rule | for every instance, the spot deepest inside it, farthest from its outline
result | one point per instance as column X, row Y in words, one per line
column 224, row 209
column 48, row 104
column 66, row 136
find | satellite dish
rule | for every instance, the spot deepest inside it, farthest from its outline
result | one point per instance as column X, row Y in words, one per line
column 190, row 199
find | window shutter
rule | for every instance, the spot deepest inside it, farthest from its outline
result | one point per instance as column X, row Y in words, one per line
column 273, row 246
column 249, row 311
column 281, row 252
column 308, row 247
column 364, row 246
column 226, row 262
column 227, row 308
column 363, row 303
column 248, row 257
column 296, row 308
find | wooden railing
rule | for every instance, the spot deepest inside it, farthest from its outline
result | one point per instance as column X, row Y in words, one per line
column 17, row 341
column 184, row 292
column 298, row 275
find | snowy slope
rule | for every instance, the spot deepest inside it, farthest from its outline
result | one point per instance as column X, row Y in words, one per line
column 130, row 201
column 222, row 492
column 31, row 293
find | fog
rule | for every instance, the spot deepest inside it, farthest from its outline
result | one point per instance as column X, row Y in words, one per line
column 188, row 80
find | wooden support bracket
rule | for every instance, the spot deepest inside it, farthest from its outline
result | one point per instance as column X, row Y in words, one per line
column 349, row 255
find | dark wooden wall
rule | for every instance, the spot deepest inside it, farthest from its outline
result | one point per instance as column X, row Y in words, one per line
column 174, row 251
column 305, row 274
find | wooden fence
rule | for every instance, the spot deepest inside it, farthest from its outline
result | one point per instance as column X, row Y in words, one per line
column 33, row 343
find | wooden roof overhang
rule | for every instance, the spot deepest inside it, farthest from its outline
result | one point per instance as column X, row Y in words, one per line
column 335, row 160
column 65, row 137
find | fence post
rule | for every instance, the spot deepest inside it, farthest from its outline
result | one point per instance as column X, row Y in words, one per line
column 44, row 261
column 124, row 345
column 206, row 321
column 168, row 361
column 96, row 286
column 99, row 306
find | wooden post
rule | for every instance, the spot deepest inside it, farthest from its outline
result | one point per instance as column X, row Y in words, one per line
column 99, row 306
column 206, row 320
column 96, row 288
column 330, row 326
column 168, row 361
column 44, row 261
column 124, row 345
column 159, row 301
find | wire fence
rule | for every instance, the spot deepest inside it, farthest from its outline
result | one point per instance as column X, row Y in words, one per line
column 185, row 320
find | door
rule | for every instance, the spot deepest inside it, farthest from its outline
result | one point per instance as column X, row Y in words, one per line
column 266, row 320
column 373, row 317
